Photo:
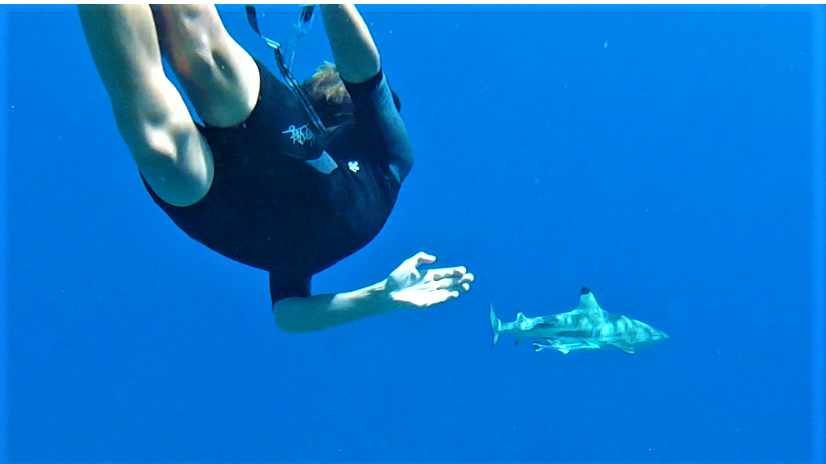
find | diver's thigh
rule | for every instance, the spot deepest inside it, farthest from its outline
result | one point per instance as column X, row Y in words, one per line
column 220, row 78
column 151, row 116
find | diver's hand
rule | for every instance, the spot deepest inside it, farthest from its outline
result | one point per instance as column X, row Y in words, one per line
column 409, row 287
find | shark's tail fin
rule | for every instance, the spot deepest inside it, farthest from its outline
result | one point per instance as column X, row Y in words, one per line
column 495, row 324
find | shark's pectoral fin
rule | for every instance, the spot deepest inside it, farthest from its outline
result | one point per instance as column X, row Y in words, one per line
column 625, row 346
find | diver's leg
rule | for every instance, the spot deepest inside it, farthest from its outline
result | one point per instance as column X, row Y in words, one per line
column 150, row 114
column 219, row 77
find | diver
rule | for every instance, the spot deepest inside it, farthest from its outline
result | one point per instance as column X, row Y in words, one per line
column 286, row 177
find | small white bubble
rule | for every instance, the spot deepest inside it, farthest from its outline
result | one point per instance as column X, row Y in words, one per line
column 605, row 44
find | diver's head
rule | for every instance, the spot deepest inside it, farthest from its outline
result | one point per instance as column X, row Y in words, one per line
column 329, row 97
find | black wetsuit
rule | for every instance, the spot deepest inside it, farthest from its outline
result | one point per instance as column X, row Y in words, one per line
column 270, row 209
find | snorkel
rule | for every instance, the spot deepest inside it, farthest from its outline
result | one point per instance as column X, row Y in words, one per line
column 305, row 21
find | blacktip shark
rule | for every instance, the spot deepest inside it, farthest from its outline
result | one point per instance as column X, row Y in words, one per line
column 586, row 327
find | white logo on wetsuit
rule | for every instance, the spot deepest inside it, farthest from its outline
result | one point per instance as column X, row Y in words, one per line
column 300, row 134
column 353, row 165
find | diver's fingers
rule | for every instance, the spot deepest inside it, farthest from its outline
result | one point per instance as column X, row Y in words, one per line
column 444, row 273
column 458, row 283
column 452, row 296
column 422, row 258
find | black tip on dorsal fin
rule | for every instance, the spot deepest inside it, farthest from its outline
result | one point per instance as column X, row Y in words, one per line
column 585, row 290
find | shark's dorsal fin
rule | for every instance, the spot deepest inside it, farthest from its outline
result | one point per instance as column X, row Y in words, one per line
column 587, row 302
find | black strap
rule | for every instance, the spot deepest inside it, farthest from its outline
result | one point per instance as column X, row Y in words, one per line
column 292, row 82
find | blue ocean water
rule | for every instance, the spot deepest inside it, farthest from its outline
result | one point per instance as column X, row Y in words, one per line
column 662, row 156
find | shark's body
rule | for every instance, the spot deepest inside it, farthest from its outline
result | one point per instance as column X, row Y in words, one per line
column 586, row 327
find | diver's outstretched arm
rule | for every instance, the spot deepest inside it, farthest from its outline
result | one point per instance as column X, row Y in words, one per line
column 354, row 51
column 406, row 287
